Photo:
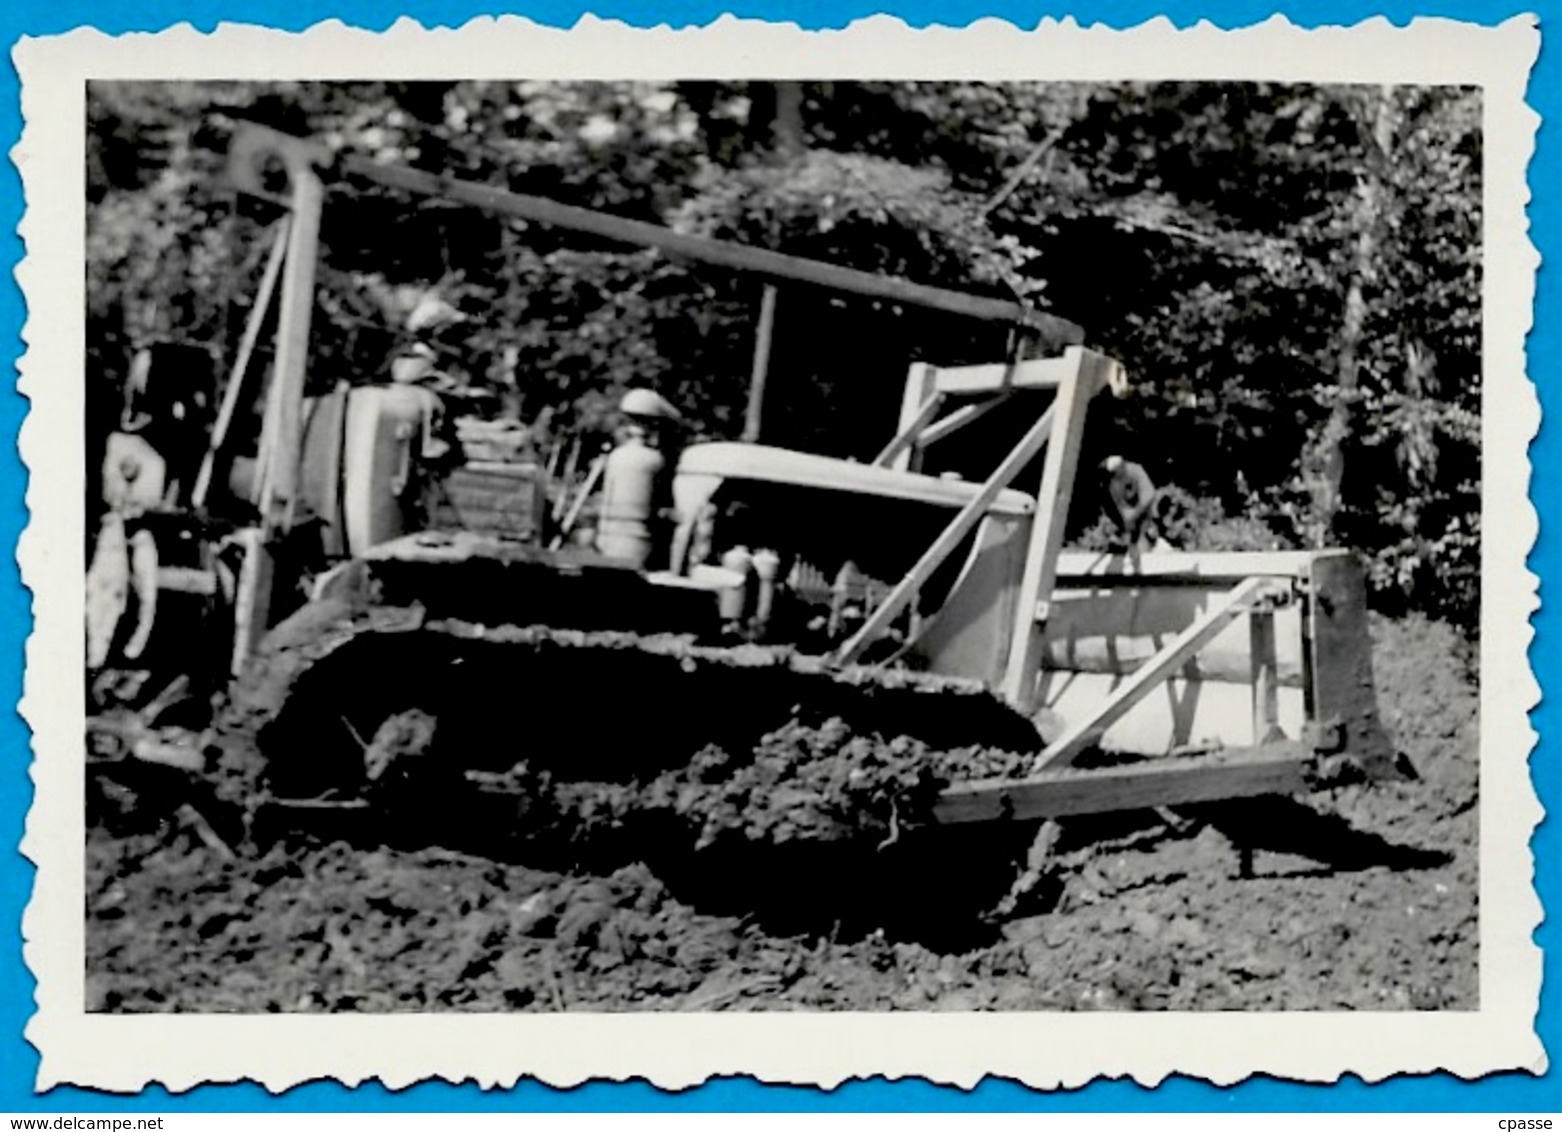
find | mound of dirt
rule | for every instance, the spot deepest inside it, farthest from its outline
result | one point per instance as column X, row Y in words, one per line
column 807, row 782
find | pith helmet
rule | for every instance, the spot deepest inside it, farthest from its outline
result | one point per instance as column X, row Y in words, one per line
column 648, row 403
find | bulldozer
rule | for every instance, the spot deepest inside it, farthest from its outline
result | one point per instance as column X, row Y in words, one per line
column 709, row 592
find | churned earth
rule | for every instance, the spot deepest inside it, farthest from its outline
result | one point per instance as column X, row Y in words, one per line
column 801, row 878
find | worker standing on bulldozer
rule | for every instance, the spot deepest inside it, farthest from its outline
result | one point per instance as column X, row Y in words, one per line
column 635, row 518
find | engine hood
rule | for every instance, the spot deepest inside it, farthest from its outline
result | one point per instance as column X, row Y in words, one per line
column 702, row 467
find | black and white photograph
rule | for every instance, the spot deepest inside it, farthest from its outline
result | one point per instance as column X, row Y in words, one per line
column 619, row 546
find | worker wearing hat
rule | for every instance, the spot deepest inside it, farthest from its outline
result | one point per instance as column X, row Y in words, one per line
column 636, row 514
column 649, row 412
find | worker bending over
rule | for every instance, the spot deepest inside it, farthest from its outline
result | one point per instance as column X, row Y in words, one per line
column 1138, row 506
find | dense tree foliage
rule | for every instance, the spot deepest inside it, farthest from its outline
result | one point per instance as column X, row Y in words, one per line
column 1291, row 273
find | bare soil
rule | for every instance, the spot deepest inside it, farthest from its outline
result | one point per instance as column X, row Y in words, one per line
column 791, row 881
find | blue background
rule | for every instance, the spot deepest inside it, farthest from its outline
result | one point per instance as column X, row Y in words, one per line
column 1508, row 1092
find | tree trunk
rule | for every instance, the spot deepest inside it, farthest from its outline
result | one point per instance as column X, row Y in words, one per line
column 786, row 132
column 776, row 119
column 1324, row 462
